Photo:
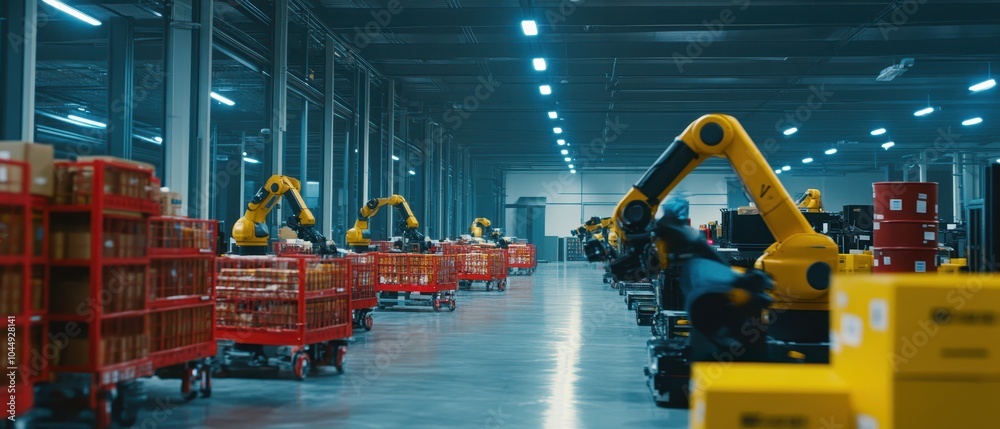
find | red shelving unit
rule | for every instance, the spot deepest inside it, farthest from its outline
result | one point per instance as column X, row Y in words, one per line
column 363, row 295
column 16, row 303
column 181, row 301
column 522, row 258
column 413, row 279
column 482, row 265
column 98, row 231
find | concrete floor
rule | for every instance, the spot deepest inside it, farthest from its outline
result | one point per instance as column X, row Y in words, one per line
column 558, row 349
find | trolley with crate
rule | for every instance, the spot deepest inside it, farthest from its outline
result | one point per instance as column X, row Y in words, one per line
column 182, row 301
column 485, row 265
column 282, row 313
column 98, row 315
column 363, row 295
column 522, row 259
column 415, row 279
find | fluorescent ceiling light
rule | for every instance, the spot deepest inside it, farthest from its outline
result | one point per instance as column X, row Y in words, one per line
column 412, row 173
column 564, row 152
column 250, row 160
column 878, row 131
column 529, row 27
column 158, row 139
column 972, row 121
column 222, row 99
column 557, row 130
column 545, row 89
column 778, row 171
column 831, row 151
column 147, row 139
column 790, row 131
column 539, row 64
column 395, row 158
column 561, row 142
column 574, row 171
column 786, row 168
column 88, row 122
column 571, row 166
column 553, row 114
column 924, row 112
column 807, row 160
column 567, row 159
column 73, row 12
column 983, row 86
column 887, row 145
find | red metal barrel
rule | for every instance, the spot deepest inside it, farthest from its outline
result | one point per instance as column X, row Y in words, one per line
column 905, row 228
column 904, row 260
column 906, row 201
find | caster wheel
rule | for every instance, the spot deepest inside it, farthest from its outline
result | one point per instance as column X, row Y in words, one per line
column 301, row 366
column 123, row 411
column 105, row 409
column 368, row 321
column 190, row 382
column 206, row 381
column 502, row 285
column 437, row 305
column 489, row 286
column 451, row 305
column 338, row 361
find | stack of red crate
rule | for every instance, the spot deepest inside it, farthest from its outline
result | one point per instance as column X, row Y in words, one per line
column 363, row 295
column 98, row 254
column 278, row 301
column 414, row 272
column 181, row 290
column 482, row 264
column 521, row 256
column 16, row 282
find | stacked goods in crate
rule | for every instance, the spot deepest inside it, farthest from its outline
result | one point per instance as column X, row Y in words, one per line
column 182, row 300
column 363, row 299
column 455, row 248
column 521, row 258
column 16, row 302
column 488, row 265
column 302, row 303
column 417, row 279
column 98, row 285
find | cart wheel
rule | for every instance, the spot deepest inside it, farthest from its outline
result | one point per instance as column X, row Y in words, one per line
column 206, row 381
column 369, row 321
column 451, row 305
column 189, row 380
column 489, row 286
column 122, row 411
column 105, row 409
column 302, row 365
column 436, row 304
column 338, row 362
column 502, row 285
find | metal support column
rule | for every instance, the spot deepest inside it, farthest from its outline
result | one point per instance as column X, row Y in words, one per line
column 304, row 144
column 957, row 175
column 365, row 130
column 279, row 94
column 922, row 167
column 121, row 73
column 202, row 189
column 389, row 166
column 19, row 31
column 326, row 194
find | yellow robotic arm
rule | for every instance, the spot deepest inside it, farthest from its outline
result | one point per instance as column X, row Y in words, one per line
column 810, row 201
column 800, row 261
column 251, row 232
column 479, row 225
column 359, row 237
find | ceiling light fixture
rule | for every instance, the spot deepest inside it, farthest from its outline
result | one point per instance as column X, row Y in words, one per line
column 561, row 142
column 924, row 112
column 73, row 12
column 412, row 173
column 893, row 71
column 831, row 151
column 557, row 130
column 887, row 145
column 158, row 139
column 983, row 86
column 571, row 166
column 564, row 152
column 567, row 159
column 786, row 168
column 222, row 99
column 778, row 171
column 529, row 27
column 972, row 121
column 790, row 131
column 807, row 160
column 572, row 172
column 553, row 114
column 152, row 140
column 250, row 160
column 545, row 89
column 87, row 122
column 878, row 131
column 539, row 64
column 395, row 158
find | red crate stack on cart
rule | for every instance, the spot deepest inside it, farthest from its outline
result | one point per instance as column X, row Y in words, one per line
column 521, row 258
column 481, row 264
column 401, row 275
column 16, row 300
column 97, row 298
column 182, row 300
column 363, row 295
column 302, row 303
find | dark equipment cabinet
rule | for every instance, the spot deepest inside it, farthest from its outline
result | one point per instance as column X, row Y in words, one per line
column 982, row 217
column 749, row 232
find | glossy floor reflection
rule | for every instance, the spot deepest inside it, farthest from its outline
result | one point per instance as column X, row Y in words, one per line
column 558, row 349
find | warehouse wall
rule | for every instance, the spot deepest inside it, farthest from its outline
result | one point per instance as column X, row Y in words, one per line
column 572, row 198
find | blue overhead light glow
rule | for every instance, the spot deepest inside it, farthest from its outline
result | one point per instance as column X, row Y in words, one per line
column 972, row 121
column 777, row 171
column 567, row 159
column 887, row 145
column 831, row 151
column 571, row 166
column 790, row 131
column 924, row 112
column 878, row 131
column 529, row 27
column 553, row 114
column 572, row 172
column 786, row 168
column 564, row 152
column 545, row 89
column 250, row 160
column 222, row 99
column 807, row 160
column 983, row 86
column 87, row 122
column 539, row 64
column 73, row 12
column 412, row 173
column 557, row 130
column 395, row 158
column 561, row 142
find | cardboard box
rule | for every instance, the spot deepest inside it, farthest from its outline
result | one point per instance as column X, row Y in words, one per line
column 134, row 163
column 78, row 242
column 75, row 353
column 40, row 157
column 756, row 395
column 918, row 348
column 69, row 296
column 747, row 210
column 170, row 203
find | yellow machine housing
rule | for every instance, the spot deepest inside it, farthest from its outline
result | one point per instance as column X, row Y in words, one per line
column 251, row 232
column 760, row 395
column 359, row 237
column 810, row 201
column 483, row 229
column 918, row 351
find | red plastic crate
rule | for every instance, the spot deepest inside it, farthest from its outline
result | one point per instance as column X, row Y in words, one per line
column 455, row 248
column 105, row 184
column 363, row 268
column 16, row 278
column 182, row 236
column 282, row 301
column 521, row 256
column 180, row 335
column 178, row 281
column 414, row 272
column 482, row 265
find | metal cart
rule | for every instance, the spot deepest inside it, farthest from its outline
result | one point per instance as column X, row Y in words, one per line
column 488, row 266
column 363, row 296
column 413, row 279
column 522, row 259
